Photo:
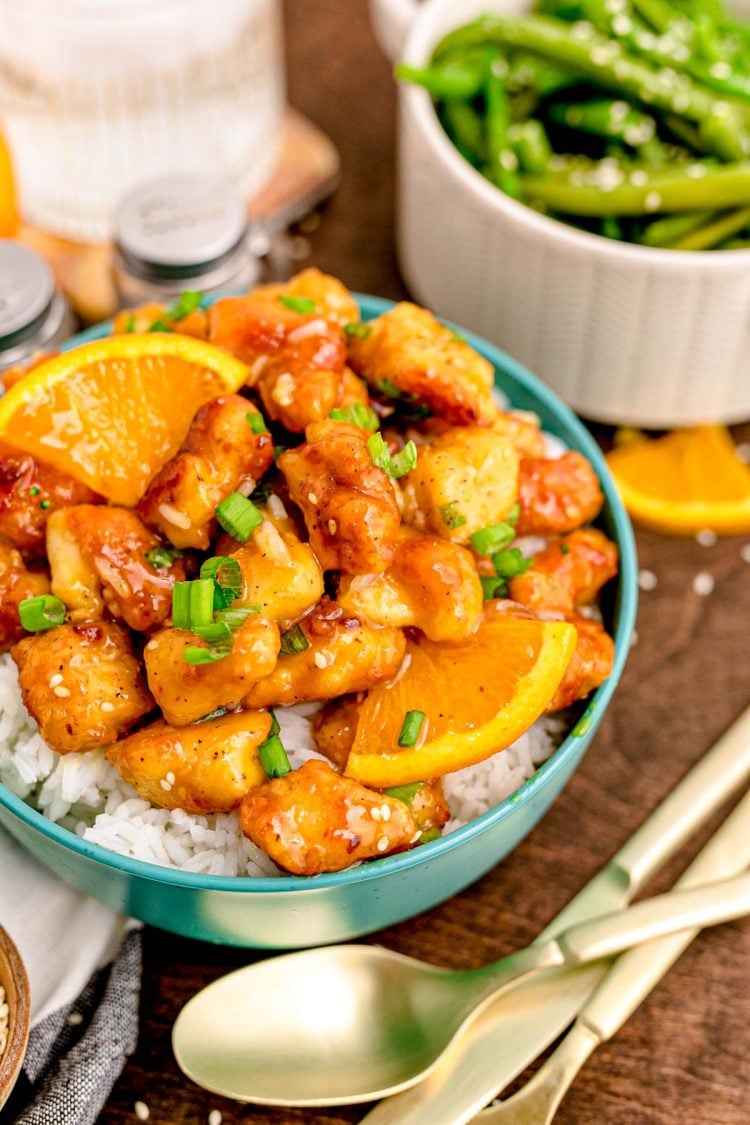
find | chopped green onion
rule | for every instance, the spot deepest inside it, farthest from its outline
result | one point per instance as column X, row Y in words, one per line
column 45, row 504
column 271, row 753
column 494, row 588
column 225, row 572
column 410, row 728
column 358, row 330
column 42, row 612
column 256, row 422
column 379, row 452
column 564, row 549
column 217, row 714
column 214, row 634
column 277, row 451
column 450, row 514
column 130, row 323
column 508, row 564
column 195, row 654
column 192, row 603
column 298, row 304
column 513, row 514
column 358, row 414
column 34, row 490
column 238, row 516
column 162, row 557
column 293, row 641
column 187, row 302
column 429, row 835
column 458, row 337
column 398, row 464
column 236, row 616
column 389, row 389
column 405, row 793
column 160, row 326
column 493, row 538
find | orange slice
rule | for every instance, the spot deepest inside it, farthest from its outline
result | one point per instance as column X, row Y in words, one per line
column 682, row 483
column 112, row 412
column 8, row 208
column 478, row 697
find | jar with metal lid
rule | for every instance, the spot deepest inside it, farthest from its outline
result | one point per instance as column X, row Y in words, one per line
column 181, row 232
column 34, row 315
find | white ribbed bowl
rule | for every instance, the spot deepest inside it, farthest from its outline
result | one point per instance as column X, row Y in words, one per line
column 623, row 333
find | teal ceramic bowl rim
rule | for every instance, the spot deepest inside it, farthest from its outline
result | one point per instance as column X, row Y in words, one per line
column 558, row 760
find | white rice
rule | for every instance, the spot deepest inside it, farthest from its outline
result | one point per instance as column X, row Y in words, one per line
column 85, row 794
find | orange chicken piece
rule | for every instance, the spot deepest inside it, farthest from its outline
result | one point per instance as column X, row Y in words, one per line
column 16, row 584
column 557, row 494
column 589, row 666
column 141, row 318
column 567, row 574
column 333, row 301
column 279, row 571
column 334, row 727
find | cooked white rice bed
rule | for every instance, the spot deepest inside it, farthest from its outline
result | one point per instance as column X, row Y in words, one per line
column 86, row 794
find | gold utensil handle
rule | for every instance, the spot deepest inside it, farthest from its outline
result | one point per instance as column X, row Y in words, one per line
column 656, row 917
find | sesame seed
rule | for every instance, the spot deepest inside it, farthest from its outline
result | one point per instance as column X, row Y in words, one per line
column 312, row 498
column 332, row 527
column 55, row 680
column 745, row 552
column 706, row 537
column 61, row 692
column 652, row 202
column 375, row 813
column 108, row 707
column 647, row 580
column 171, row 778
column 75, row 1019
column 383, row 843
column 142, row 1111
column 214, row 1117
column 319, row 660
column 415, row 837
column 165, row 785
column 385, row 812
column 703, row 584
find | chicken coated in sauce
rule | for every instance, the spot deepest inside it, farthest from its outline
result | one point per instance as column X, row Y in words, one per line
column 30, row 492
column 342, row 656
column 83, row 684
column 280, row 573
column 348, row 503
column 313, row 820
column 409, row 352
column 204, row 768
column 590, row 665
column 334, row 727
column 141, row 319
column 429, row 806
column 99, row 560
column 567, row 574
column 557, row 495
column 16, row 584
column 186, row 692
column 331, row 297
column 432, row 584
column 221, row 454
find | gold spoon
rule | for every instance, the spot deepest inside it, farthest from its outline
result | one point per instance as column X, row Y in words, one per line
column 351, row 1023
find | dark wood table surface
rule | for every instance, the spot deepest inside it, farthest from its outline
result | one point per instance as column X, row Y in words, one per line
column 685, row 1055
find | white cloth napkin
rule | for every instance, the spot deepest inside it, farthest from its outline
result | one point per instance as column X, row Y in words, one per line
column 84, row 973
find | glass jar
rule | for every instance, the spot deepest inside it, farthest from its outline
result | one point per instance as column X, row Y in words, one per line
column 34, row 315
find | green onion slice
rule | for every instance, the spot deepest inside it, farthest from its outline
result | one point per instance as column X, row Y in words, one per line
column 457, row 337
column 225, row 572
column 130, row 323
column 429, row 835
column 41, row 613
column 358, row 414
column 218, row 650
column 564, row 549
column 410, row 728
column 298, row 304
column 398, row 464
column 293, row 641
column 405, row 793
column 272, row 755
column 187, row 302
column 358, row 330
column 494, row 588
column 493, row 538
column 450, row 514
column 162, row 557
column 379, row 452
column 389, row 389
column 238, row 516
column 509, row 564
column 256, row 422
column 236, row 616
column 193, row 603
column 160, row 326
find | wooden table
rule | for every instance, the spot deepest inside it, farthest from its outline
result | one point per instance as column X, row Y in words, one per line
column 685, row 1056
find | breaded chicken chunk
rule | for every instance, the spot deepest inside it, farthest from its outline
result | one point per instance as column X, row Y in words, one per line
column 557, row 495
column 30, row 491
column 331, row 298
column 590, row 665
column 82, row 684
column 342, row 656
column 99, row 559
column 186, row 692
column 431, row 584
column 409, row 352
column 16, row 584
column 141, row 318
column 280, row 573
column 464, row 480
column 222, row 453
column 429, row 806
column 313, row 820
column 349, row 504
column 567, row 574
column 204, row 768
column 334, row 727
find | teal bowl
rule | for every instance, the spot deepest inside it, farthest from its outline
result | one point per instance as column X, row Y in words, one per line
column 289, row 913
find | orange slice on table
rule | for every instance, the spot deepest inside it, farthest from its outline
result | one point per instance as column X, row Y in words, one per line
column 686, row 482
column 478, row 697
column 112, row 412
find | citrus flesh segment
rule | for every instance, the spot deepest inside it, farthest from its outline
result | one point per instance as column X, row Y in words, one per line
column 478, row 697
column 685, row 482
column 113, row 412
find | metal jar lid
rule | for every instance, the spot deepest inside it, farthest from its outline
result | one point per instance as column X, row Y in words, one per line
column 179, row 226
column 27, row 291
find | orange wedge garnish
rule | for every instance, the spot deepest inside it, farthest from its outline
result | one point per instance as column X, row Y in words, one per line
column 112, row 412
column 686, row 482
column 478, row 697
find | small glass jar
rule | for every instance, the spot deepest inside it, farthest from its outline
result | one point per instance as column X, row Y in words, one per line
column 181, row 232
column 34, row 315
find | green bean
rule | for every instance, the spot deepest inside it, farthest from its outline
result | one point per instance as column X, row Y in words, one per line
column 713, row 233
column 531, row 146
column 659, row 13
column 734, row 244
column 604, row 117
column 501, row 160
column 675, row 190
column 612, row 228
column 464, row 126
column 604, row 61
column 543, row 75
column 664, row 232
column 450, row 79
